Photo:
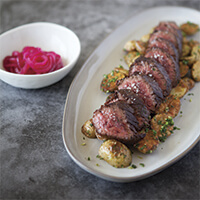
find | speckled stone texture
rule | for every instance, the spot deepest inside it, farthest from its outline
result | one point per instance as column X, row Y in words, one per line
column 34, row 162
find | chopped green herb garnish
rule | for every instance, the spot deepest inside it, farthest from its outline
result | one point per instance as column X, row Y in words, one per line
column 140, row 157
column 142, row 164
column 98, row 156
column 185, row 62
column 132, row 166
column 176, row 128
column 105, row 76
column 154, row 132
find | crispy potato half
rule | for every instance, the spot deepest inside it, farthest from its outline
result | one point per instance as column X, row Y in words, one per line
column 193, row 57
column 109, row 82
column 170, row 106
column 140, row 46
column 145, row 38
column 130, row 57
column 135, row 45
column 189, row 28
column 186, row 49
column 180, row 90
column 192, row 43
column 130, row 46
column 88, row 129
column 189, row 82
column 149, row 143
column 196, row 52
column 115, row 153
column 163, row 125
column 184, row 69
column 195, row 71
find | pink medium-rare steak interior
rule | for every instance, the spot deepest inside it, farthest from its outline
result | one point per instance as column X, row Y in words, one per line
column 117, row 121
column 146, row 88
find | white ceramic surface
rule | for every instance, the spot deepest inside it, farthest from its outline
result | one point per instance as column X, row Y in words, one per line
column 47, row 36
column 85, row 96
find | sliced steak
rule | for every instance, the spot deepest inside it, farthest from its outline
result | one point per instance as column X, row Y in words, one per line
column 117, row 121
column 145, row 87
column 150, row 67
column 167, row 62
column 173, row 28
column 167, row 36
column 141, row 112
column 165, row 45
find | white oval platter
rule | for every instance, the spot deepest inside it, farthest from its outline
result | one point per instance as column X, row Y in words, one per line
column 84, row 97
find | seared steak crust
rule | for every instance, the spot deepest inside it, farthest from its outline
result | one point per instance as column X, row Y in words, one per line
column 150, row 67
column 167, row 62
column 117, row 121
column 141, row 112
column 145, row 87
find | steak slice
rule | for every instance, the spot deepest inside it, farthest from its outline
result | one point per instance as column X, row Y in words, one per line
column 141, row 112
column 117, row 121
column 150, row 67
column 165, row 45
column 167, row 36
column 172, row 27
column 145, row 87
column 167, row 62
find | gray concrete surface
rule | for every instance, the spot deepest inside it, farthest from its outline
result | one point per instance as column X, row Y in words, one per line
column 34, row 162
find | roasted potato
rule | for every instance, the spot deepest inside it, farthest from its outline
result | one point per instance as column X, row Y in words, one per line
column 189, row 28
column 135, row 45
column 100, row 137
column 180, row 90
column 192, row 43
column 189, row 82
column 130, row 57
column 186, row 49
column 193, row 57
column 115, row 153
column 140, row 46
column 121, row 70
column 88, row 129
column 196, row 52
column 145, row 38
column 109, row 82
column 162, row 125
column 170, row 106
column 130, row 46
column 149, row 143
column 195, row 71
column 185, row 40
column 184, row 69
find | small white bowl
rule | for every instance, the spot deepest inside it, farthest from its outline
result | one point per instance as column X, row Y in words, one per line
column 47, row 36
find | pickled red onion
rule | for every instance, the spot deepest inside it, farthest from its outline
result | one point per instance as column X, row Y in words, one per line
column 32, row 60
